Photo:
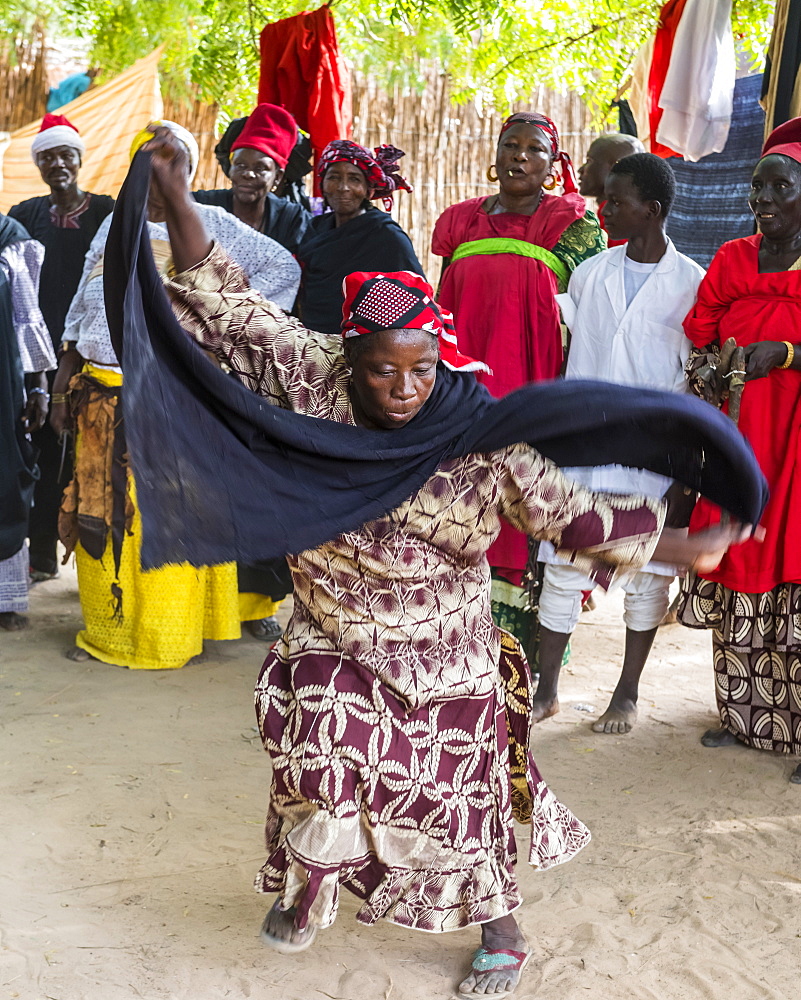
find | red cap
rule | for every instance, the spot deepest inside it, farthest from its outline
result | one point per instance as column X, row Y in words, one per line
column 50, row 120
column 785, row 140
column 271, row 130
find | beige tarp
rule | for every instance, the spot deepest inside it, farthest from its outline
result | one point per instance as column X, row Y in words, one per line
column 107, row 117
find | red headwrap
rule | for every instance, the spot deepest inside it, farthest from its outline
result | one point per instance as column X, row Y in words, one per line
column 401, row 300
column 785, row 139
column 379, row 167
column 559, row 156
column 271, row 130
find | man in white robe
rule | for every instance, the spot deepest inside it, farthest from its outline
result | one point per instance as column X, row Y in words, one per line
column 624, row 309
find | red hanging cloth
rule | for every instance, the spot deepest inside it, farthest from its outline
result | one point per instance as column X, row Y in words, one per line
column 669, row 18
column 303, row 71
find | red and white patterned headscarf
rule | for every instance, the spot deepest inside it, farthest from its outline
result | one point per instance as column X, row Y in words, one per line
column 401, row 300
column 379, row 167
column 545, row 124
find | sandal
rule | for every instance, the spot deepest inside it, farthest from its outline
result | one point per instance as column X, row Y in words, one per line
column 286, row 947
column 502, row 960
column 719, row 738
column 268, row 629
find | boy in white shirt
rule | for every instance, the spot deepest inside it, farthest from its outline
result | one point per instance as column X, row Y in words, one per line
column 624, row 309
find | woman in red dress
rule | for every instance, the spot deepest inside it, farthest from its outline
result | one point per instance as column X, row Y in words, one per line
column 752, row 601
column 506, row 257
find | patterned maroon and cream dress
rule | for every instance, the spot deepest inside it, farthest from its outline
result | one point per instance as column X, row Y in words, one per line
column 395, row 713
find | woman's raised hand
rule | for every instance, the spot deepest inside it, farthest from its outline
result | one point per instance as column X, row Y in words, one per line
column 169, row 164
column 713, row 543
column 703, row 550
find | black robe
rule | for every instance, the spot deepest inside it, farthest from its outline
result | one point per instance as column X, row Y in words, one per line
column 370, row 242
column 65, row 250
column 283, row 220
column 18, row 472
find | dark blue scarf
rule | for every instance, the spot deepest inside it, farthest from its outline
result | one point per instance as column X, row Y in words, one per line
column 222, row 475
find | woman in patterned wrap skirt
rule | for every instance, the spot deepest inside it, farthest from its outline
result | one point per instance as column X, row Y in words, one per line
column 752, row 601
column 394, row 711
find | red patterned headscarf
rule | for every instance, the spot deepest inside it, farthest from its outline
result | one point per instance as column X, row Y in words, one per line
column 559, row 156
column 379, row 167
column 401, row 300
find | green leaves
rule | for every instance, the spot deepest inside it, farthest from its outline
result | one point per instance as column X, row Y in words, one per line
column 495, row 51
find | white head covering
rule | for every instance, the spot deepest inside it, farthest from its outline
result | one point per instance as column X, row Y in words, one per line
column 56, row 131
column 182, row 134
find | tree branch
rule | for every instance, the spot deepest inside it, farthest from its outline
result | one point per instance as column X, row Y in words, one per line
column 570, row 40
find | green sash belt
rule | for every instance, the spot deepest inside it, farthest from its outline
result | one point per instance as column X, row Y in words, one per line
column 498, row 244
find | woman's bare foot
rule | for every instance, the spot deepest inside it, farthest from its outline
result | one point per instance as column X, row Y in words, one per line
column 12, row 622
column 279, row 932
column 795, row 777
column 618, row 719
column 502, row 972
column 543, row 708
column 719, row 738
column 78, row 655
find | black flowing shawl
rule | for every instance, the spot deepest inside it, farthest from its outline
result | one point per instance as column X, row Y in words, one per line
column 223, row 475
column 371, row 242
column 18, row 471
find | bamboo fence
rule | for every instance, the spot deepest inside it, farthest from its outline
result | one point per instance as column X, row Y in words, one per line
column 23, row 79
column 448, row 146
column 201, row 120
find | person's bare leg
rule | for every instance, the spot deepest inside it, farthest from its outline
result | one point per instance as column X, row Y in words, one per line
column 551, row 653
column 502, row 934
column 620, row 716
column 279, row 928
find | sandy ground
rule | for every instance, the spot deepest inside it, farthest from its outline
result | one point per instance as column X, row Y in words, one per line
column 132, row 806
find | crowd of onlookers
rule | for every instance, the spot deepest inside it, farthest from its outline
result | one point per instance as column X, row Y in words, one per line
column 397, row 704
column 540, row 285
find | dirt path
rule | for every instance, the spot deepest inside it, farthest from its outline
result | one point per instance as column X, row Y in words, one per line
column 132, row 806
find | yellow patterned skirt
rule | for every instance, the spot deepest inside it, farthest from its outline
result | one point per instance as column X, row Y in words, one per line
column 167, row 612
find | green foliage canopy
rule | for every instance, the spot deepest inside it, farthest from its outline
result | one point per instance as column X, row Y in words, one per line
column 496, row 51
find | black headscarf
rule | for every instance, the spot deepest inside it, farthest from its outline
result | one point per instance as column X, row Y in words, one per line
column 222, row 475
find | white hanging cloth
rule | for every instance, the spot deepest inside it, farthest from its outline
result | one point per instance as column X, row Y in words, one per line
column 698, row 92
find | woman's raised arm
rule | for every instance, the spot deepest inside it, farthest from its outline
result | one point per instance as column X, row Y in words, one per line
column 189, row 241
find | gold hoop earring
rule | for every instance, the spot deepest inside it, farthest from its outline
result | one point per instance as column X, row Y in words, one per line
column 550, row 182
column 490, row 178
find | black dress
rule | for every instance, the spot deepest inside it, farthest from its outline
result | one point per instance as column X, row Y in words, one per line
column 17, row 456
column 370, row 242
column 283, row 220
column 65, row 250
